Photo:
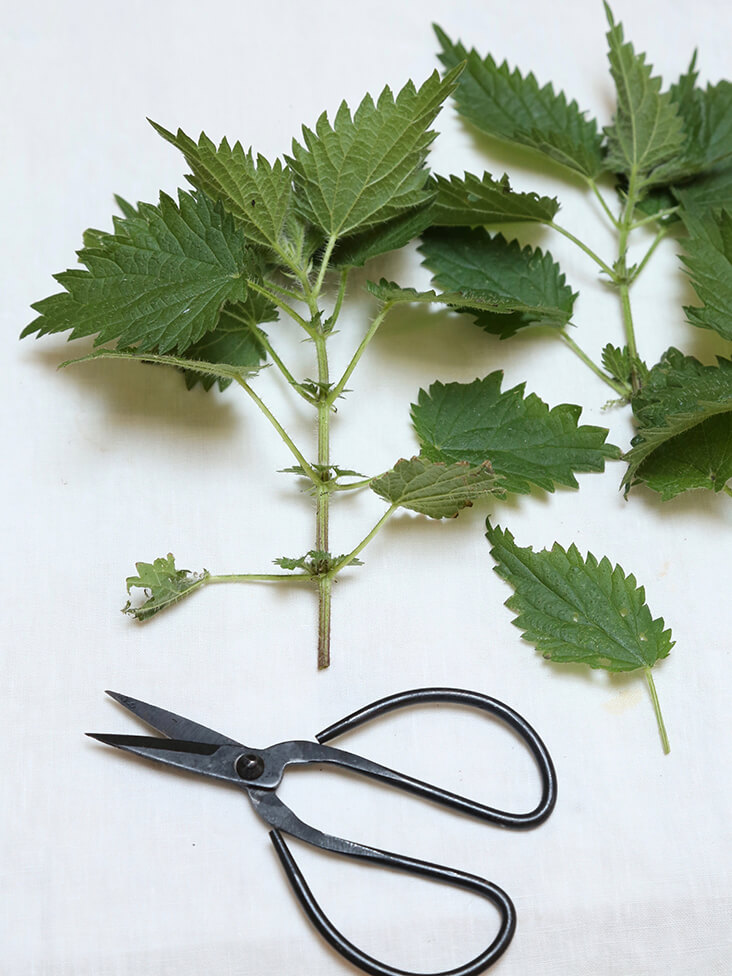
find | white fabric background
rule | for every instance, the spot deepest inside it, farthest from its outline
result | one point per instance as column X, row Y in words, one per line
column 113, row 867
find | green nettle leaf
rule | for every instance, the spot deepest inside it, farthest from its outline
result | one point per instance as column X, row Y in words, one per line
column 577, row 610
column 356, row 250
column 710, row 192
column 235, row 340
column 708, row 260
column 256, row 192
column 706, row 115
column 647, row 129
column 508, row 106
column 473, row 202
column 313, row 563
column 364, row 170
column 525, row 281
column 684, row 416
column 476, row 303
column 526, row 442
column 163, row 585
column 157, row 283
column 436, row 489
column 619, row 363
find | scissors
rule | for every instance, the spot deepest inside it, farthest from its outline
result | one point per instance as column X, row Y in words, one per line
column 193, row 747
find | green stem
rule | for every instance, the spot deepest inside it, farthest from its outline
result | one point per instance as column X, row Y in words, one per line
column 373, row 328
column 588, row 250
column 596, row 190
column 655, row 217
column 333, row 317
column 622, row 277
column 620, row 388
column 324, row 263
column 280, row 303
column 727, row 490
column 345, row 560
column 646, row 258
column 260, row 578
column 353, row 485
column 657, row 709
column 323, row 501
column 309, row 471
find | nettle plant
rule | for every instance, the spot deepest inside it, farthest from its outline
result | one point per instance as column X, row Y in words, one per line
column 191, row 282
column 670, row 156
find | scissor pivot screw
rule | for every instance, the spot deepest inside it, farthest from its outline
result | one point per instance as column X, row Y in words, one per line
column 249, row 766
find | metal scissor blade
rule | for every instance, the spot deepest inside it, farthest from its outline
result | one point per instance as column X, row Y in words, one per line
column 206, row 758
column 168, row 723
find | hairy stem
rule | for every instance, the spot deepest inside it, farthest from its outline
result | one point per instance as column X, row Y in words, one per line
column 620, row 388
column 647, row 256
column 657, row 710
column 280, row 303
column 668, row 212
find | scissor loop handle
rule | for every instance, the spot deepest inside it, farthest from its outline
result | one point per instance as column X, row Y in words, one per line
column 450, row 876
column 473, row 699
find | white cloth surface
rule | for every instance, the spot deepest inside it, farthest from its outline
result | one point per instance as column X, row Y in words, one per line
column 112, row 867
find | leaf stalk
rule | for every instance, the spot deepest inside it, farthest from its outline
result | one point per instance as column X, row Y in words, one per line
column 657, row 710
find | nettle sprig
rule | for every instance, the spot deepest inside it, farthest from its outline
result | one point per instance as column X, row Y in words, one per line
column 192, row 282
column 670, row 156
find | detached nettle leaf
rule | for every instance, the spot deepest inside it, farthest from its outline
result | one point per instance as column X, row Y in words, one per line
column 526, row 442
column 436, row 489
column 708, row 260
column 158, row 282
column 162, row 584
column 364, row 170
column 647, row 130
column 525, row 281
column 256, row 192
column 473, row 202
column 577, row 610
column 684, row 417
column 508, row 106
column 236, row 340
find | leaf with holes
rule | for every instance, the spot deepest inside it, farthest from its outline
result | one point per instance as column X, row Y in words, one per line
column 578, row 610
column 162, row 584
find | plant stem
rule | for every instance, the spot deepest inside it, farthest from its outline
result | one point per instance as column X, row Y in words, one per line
column 727, row 490
column 260, row 578
column 345, row 560
column 620, row 388
column 353, row 485
column 655, row 217
column 373, row 328
column 309, row 471
column 588, row 250
column 657, row 709
column 603, row 203
column 647, row 256
column 280, row 303
column 622, row 277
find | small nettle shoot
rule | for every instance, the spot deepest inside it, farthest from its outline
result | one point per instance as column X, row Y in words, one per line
column 190, row 282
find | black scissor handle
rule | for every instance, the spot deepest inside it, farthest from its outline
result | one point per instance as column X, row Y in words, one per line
column 450, row 876
column 472, row 699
